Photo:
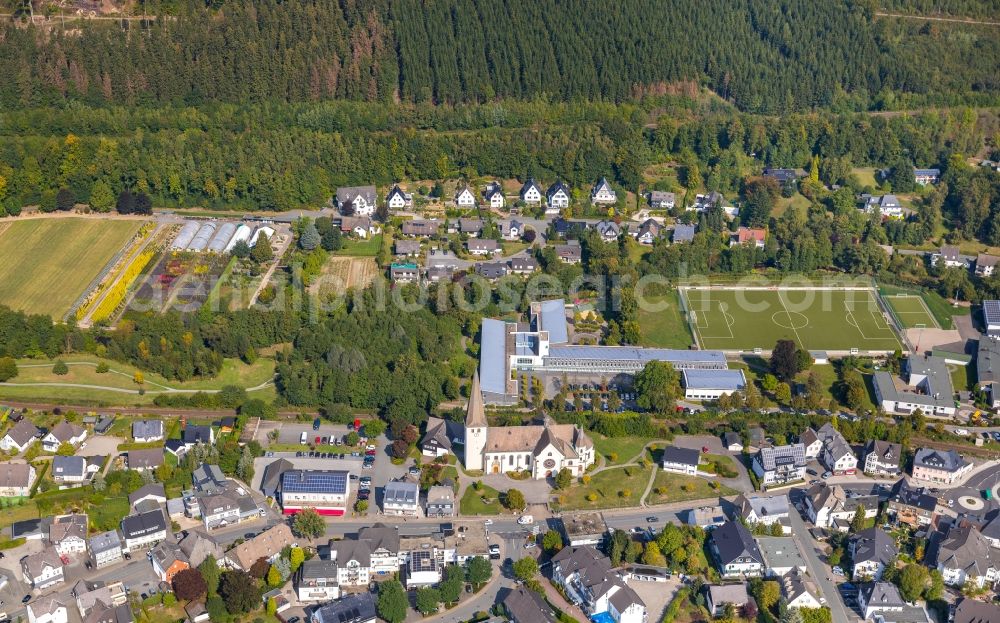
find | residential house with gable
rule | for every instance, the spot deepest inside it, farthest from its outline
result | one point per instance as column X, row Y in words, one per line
column 356, row 200
column 493, row 194
column 872, row 551
column 942, row 466
column 147, row 431
column 19, row 437
column 317, row 580
column 16, row 479
column 836, row 455
column 61, row 433
column 105, row 548
column 602, row 193
column 758, row 510
column 779, row 465
column 962, row 554
column 911, row 505
column 661, row 200
column 754, row 236
column 735, row 551
column 465, row 198
column 949, row 256
column 648, row 231
column 68, row 534
column 531, row 192
column 882, row 458
column 886, row 205
column 397, row 199
column 829, row 506
column 42, row 569
column 587, row 577
column 557, row 198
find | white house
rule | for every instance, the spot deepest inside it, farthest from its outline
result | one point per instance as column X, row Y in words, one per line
column 356, row 200
column 717, row 597
column 712, row 384
column 588, row 579
column 401, row 497
column 531, row 192
column 43, row 569
column 317, row 580
column 680, row 460
column 557, row 198
column 872, row 550
column 882, row 458
column 830, row 507
column 947, row 467
column 353, row 562
column 963, row 554
column 494, row 195
column 735, row 551
column 68, row 534
column 928, row 388
column 325, row 491
column 465, row 198
column 105, row 548
column 926, row 176
column 144, row 529
column 146, row 431
column 761, row 510
column 602, row 192
column 836, row 454
column 16, row 479
column 779, row 465
column 61, row 433
column 800, row 592
column 811, row 441
column 47, row 609
column 397, row 199
column 20, row 437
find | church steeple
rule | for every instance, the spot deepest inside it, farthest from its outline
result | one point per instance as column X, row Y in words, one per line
column 475, row 414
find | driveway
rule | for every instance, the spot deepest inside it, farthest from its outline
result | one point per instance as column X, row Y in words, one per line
column 100, row 446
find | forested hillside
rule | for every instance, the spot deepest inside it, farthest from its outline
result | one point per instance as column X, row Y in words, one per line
column 288, row 156
column 767, row 56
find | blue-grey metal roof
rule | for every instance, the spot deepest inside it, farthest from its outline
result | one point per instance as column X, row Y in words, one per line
column 493, row 357
column 732, row 380
column 631, row 353
column 919, row 172
column 552, row 318
column 991, row 312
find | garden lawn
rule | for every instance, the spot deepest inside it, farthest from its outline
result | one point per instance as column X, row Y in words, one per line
column 719, row 464
column 626, row 448
column 366, row 247
column 665, row 328
column 472, row 503
column 670, row 487
column 48, row 262
column 609, row 486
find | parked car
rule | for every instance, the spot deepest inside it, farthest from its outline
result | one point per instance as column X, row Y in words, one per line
column 326, row 440
column 316, row 424
column 525, row 520
column 827, row 475
column 414, row 471
column 652, row 519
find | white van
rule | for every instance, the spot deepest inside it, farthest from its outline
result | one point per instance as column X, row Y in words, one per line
column 303, row 438
column 525, row 520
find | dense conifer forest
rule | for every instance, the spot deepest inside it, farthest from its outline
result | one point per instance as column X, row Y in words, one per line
column 766, row 56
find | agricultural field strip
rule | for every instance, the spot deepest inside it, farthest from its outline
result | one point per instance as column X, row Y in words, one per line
column 96, row 292
column 50, row 261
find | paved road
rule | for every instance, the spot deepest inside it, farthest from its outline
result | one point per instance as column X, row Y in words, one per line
column 817, row 568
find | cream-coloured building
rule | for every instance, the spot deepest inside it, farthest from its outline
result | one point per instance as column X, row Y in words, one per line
column 543, row 450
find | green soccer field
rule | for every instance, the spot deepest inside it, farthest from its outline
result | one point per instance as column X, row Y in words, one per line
column 911, row 311
column 832, row 320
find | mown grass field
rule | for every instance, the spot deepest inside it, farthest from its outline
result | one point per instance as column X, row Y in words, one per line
column 613, row 488
column 83, row 383
column 49, row 261
column 663, row 328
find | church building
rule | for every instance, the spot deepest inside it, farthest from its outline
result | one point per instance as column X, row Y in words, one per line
column 543, row 449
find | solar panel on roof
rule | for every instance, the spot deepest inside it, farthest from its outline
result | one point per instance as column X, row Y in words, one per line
column 991, row 311
column 314, row 482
